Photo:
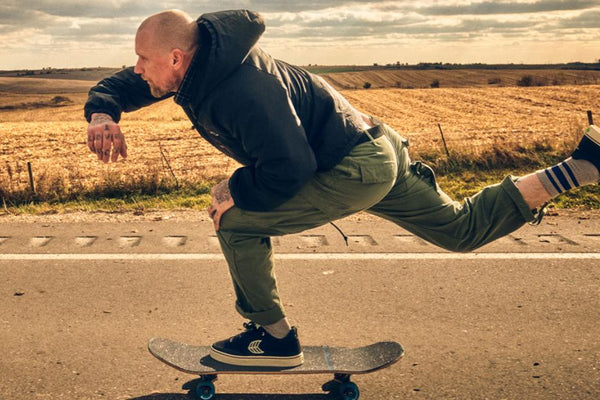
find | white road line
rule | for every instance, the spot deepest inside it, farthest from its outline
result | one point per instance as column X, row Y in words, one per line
column 305, row 256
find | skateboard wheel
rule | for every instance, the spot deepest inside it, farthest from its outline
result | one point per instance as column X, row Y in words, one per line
column 205, row 390
column 349, row 391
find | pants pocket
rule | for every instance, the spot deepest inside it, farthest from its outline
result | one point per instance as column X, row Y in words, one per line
column 424, row 172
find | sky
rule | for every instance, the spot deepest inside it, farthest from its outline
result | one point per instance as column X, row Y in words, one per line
column 73, row 33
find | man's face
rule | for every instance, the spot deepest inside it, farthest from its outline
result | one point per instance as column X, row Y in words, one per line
column 154, row 65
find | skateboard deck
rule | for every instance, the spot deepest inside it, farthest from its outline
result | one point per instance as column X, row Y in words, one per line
column 340, row 361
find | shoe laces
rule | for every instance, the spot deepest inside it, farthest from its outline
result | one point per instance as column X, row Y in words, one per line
column 249, row 327
column 539, row 214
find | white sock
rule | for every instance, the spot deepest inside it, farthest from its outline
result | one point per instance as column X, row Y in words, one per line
column 568, row 175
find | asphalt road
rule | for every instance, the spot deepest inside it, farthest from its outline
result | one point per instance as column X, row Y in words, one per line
column 79, row 301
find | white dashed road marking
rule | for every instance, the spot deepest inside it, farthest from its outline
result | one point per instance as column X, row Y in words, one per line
column 304, row 256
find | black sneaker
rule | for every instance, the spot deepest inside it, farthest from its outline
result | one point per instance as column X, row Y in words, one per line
column 589, row 147
column 255, row 347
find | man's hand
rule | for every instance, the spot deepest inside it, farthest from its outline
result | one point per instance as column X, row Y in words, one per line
column 104, row 134
column 221, row 202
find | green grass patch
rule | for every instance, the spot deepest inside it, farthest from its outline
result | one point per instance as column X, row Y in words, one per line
column 457, row 184
column 194, row 198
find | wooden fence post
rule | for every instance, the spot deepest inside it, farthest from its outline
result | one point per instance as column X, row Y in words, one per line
column 31, row 184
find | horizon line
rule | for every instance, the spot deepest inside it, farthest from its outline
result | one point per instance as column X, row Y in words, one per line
column 398, row 65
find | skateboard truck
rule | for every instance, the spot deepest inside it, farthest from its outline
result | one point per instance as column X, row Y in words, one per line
column 342, row 387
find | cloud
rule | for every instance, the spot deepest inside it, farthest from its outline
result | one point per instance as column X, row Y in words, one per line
column 275, row 6
column 507, row 7
column 71, row 26
column 586, row 20
column 85, row 29
column 385, row 19
column 14, row 18
column 91, row 9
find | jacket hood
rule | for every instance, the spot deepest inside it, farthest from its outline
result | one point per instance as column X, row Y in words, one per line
column 231, row 37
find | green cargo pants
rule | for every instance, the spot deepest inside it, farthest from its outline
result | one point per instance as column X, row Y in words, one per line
column 377, row 176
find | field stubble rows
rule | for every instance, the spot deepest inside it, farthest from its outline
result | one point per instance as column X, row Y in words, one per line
column 484, row 128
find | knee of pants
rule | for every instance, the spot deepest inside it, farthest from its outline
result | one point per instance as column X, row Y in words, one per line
column 232, row 220
column 457, row 243
column 470, row 236
column 239, row 243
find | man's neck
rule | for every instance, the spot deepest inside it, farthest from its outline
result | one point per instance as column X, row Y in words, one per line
column 189, row 57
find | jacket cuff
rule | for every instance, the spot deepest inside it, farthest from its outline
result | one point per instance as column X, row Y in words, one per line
column 88, row 114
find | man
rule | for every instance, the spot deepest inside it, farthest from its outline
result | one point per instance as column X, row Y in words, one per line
column 309, row 158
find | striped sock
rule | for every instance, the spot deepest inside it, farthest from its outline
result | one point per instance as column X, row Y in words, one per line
column 568, row 175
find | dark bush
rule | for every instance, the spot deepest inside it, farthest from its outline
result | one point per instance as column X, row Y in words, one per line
column 60, row 100
column 529, row 80
column 526, row 80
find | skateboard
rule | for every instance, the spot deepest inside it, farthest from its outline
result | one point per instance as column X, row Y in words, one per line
column 342, row 362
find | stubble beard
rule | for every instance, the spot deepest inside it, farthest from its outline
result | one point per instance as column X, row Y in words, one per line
column 158, row 92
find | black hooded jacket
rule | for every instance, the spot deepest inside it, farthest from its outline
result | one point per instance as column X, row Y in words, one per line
column 279, row 121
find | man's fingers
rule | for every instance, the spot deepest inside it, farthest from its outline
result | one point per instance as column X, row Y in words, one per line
column 215, row 215
column 217, row 219
column 90, row 141
column 211, row 211
column 123, row 145
column 118, row 142
column 107, row 140
column 98, row 144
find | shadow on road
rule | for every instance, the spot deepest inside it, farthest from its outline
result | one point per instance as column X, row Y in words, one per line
column 236, row 396
column 231, row 396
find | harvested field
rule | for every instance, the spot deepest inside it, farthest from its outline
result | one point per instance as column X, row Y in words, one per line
column 477, row 120
column 486, row 127
column 29, row 86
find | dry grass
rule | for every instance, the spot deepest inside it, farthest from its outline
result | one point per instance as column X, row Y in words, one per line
column 54, row 141
column 29, row 86
column 484, row 128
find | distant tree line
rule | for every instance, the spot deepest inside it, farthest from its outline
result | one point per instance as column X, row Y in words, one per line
column 426, row 66
column 326, row 69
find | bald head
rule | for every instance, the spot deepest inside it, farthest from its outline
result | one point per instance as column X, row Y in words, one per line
column 171, row 29
column 165, row 44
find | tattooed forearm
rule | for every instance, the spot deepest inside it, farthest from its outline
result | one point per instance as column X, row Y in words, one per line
column 221, row 192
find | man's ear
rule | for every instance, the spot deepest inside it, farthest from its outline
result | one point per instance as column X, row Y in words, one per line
column 177, row 58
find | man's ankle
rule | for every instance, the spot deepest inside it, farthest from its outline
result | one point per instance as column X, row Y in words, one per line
column 280, row 329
